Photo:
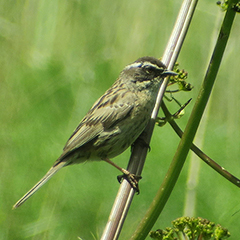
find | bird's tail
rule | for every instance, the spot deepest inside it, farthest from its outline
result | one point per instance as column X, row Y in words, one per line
column 47, row 176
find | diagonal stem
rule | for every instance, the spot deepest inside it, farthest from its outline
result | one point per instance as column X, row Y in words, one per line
column 198, row 152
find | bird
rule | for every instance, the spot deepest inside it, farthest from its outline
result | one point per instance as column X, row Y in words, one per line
column 115, row 120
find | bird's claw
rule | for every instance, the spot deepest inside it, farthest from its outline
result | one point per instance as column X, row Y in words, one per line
column 132, row 179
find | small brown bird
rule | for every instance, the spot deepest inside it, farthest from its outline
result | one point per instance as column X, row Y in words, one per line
column 115, row 120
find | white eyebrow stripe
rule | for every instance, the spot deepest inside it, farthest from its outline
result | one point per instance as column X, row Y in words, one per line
column 146, row 64
column 140, row 64
column 133, row 65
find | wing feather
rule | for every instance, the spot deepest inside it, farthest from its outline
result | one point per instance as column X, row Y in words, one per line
column 111, row 108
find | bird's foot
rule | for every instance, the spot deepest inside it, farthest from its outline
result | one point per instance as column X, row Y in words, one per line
column 132, row 179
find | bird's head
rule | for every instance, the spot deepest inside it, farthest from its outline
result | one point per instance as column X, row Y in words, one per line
column 145, row 72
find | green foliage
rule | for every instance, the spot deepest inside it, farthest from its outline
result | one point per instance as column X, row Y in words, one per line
column 180, row 79
column 186, row 228
column 224, row 5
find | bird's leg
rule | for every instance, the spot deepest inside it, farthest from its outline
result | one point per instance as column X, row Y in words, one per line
column 130, row 177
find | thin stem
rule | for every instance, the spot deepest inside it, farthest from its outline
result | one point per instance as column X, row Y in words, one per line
column 198, row 152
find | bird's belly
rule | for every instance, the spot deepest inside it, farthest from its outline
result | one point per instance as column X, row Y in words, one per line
column 114, row 141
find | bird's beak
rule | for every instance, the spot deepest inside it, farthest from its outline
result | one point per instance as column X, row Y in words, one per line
column 168, row 73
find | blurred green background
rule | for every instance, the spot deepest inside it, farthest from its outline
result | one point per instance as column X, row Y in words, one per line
column 57, row 58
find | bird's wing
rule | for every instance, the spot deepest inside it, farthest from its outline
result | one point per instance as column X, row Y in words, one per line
column 111, row 108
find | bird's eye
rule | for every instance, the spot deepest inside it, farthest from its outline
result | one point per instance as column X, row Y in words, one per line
column 149, row 69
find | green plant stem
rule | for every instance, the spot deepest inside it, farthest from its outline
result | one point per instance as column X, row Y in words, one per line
column 171, row 177
column 198, row 152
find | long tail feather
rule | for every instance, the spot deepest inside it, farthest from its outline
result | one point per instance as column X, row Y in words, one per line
column 47, row 176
